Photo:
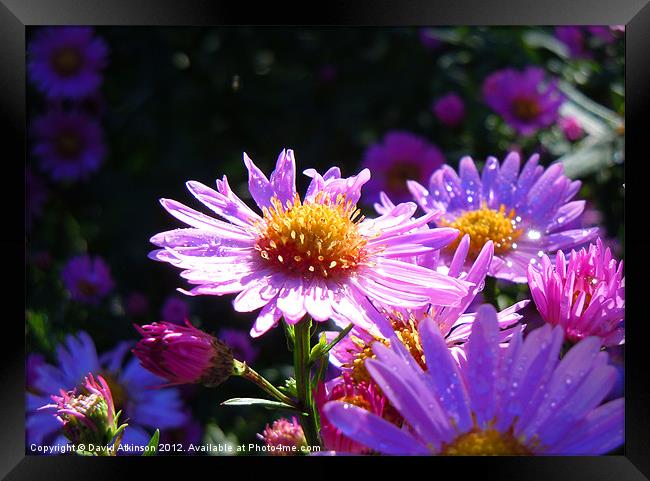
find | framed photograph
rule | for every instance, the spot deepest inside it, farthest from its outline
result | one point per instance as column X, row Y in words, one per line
column 370, row 232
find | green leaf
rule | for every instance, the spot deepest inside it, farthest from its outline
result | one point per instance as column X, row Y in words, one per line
column 323, row 347
column 251, row 401
column 152, row 447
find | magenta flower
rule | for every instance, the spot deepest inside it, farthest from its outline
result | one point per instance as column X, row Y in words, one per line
column 517, row 401
column 284, row 437
column 584, row 293
column 523, row 213
column 362, row 394
column 68, row 145
column 240, row 345
column 399, row 157
column 449, row 110
column 87, row 417
column 526, row 100
column 175, row 310
column 87, row 279
column 312, row 256
column 183, row 354
column 574, row 39
column 67, row 61
column 571, row 128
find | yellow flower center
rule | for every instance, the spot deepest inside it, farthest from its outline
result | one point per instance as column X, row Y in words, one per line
column 486, row 224
column 69, row 145
column 319, row 238
column 407, row 332
column 489, row 442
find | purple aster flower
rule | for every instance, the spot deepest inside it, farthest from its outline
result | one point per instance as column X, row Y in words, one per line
column 183, row 354
column 602, row 32
column 454, row 323
column 240, row 345
column 144, row 408
column 175, row 310
column 449, row 110
column 69, row 145
column 526, row 100
column 571, row 128
column 584, row 293
column 429, row 39
column 312, row 256
column 399, row 157
column 523, row 213
column 36, row 196
column 284, row 437
column 87, row 279
column 520, row 400
column 67, row 61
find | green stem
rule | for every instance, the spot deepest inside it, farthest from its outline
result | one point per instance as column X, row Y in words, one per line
column 244, row 370
column 301, row 351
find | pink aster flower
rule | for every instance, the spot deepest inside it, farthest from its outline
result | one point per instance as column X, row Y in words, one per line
column 524, row 213
column 285, row 437
column 584, row 293
column 521, row 400
column 400, row 156
column 449, row 110
column 383, row 324
column 526, row 99
column 364, row 395
column 312, row 256
column 183, row 354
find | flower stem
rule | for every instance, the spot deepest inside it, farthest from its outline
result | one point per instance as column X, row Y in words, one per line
column 302, row 368
column 244, row 370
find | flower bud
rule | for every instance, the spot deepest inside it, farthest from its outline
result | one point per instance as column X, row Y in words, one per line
column 286, row 437
column 183, row 354
column 87, row 417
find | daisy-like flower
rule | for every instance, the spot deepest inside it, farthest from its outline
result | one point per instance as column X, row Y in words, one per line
column 183, row 354
column 87, row 279
column 584, row 293
column 454, row 323
column 526, row 99
column 88, row 416
column 523, row 213
column 144, row 408
column 399, row 157
column 67, row 61
column 284, row 437
column 314, row 256
column 517, row 401
column 69, row 145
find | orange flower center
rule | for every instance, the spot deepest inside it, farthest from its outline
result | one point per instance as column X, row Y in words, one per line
column 484, row 225
column 525, row 108
column 319, row 238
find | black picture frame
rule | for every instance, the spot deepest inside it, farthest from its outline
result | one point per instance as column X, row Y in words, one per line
column 15, row 15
